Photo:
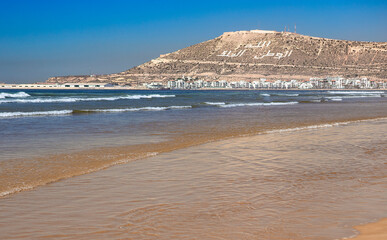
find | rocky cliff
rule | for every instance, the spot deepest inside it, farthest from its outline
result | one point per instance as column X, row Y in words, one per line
column 248, row 55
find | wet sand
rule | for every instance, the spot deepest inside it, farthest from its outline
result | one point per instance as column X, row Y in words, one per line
column 311, row 183
column 372, row 231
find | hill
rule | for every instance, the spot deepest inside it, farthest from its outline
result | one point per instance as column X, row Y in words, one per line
column 248, row 55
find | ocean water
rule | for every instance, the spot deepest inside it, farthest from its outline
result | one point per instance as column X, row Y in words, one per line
column 52, row 135
column 49, row 132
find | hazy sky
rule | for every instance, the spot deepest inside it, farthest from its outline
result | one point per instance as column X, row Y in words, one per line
column 40, row 39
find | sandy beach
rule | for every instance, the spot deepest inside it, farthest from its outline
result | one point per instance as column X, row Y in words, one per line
column 372, row 231
column 316, row 184
column 212, row 120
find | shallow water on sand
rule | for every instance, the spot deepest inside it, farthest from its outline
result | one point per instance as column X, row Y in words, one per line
column 311, row 183
column 48, row 135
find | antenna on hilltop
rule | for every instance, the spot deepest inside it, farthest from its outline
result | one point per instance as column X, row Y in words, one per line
column 295, row 28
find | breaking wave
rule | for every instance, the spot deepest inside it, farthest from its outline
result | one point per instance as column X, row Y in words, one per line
column 215, row 103
column 14, row 95
column 78, row 99
column 356, row 92
column 65, row 112
column 257, row 104
column 287, row 94
column 336, row 99
column 132, row 109
column 40, row 113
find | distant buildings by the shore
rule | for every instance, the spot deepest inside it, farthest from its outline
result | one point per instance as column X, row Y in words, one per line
column 196, row 83
column 262, row 83
column 57, row 86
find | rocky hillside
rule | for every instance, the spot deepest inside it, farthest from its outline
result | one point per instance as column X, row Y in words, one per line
column 248, row 55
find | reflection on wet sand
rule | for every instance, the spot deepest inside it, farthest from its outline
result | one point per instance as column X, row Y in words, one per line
column 314, row 183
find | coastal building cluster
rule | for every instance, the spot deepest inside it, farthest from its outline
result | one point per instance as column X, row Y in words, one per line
column 55, row 85
column 262, row 83
column 196, row 83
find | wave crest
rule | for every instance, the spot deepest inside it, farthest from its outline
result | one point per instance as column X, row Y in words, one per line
column 79, row 99
column 14, row 95
column 39, row 113
column 257, row 104
column 133, row 109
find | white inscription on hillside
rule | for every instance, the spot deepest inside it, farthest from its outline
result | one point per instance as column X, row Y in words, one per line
column 230, row 54
column 259, row 45
column 275, row 55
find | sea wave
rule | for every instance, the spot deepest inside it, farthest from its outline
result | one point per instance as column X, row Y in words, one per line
column 65, row 112
column 356, row 92
column 336, row 99
column 132, row 109
column 287, row 94
column 14, row 95
column 257, row 104
column 355, row 96
column 79, row 99
column 265, row 94
column 215, row 103
column 39, row 113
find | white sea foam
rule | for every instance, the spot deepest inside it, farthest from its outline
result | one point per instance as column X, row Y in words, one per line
column 39, row 113
column 139, row 109
column 336, row 99
column 287, row 94
column 306, row 128
column 356, row 92
column 265, row 94
column 14, row 95
column 257, row 104
column 326, row 125
column 362, row 96
column 355, row 96
column 65, row 112
column 215, row 103
column 78, row 99
column 15, row 190
column 147, row 96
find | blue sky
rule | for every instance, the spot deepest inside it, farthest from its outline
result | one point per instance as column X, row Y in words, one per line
column 40, row 39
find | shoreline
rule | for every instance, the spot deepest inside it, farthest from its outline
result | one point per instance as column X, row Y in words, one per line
column 371, row 231
column 131, row 153
column 143, row 205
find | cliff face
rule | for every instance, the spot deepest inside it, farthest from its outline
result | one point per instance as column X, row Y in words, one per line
column 248, row 55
